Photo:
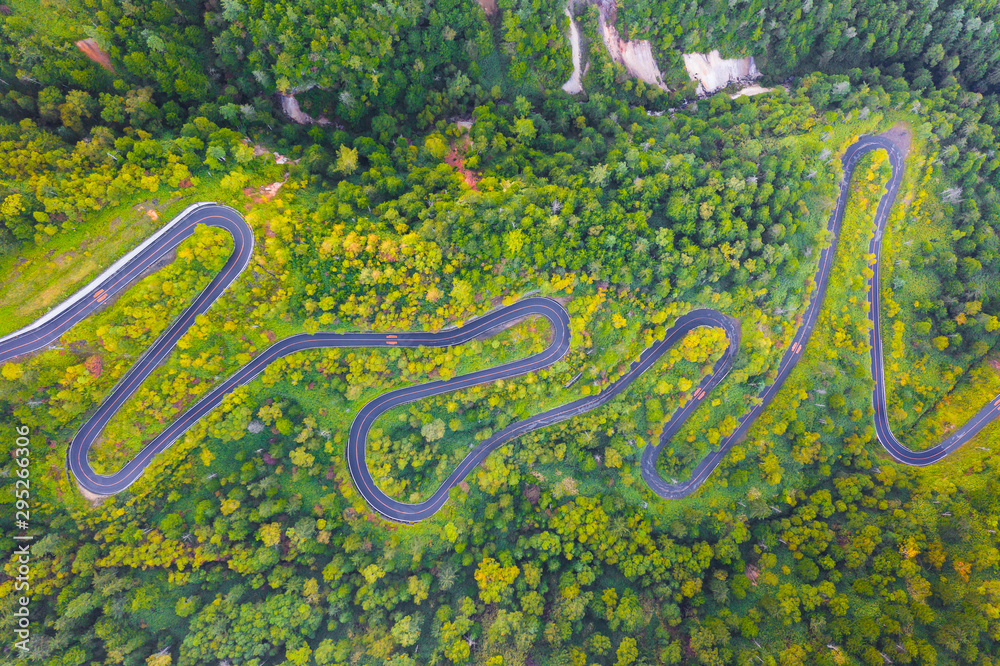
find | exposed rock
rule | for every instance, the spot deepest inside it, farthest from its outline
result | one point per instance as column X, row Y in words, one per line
column 489, row 6
column 573, row 85
column 259, row 150
column 713, row 72
column 635, row 55
column 290, row 106
column 90, row 48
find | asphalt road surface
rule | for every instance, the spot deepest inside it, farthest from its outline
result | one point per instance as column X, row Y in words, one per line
column 38, row 338
column 42, row 335
column 985, row 416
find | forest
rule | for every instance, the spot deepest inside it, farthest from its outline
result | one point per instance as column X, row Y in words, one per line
column 446, row 173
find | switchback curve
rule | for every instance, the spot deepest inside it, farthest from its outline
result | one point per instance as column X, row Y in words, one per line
column 896, row 450
column 883, row 432
column 51, row 327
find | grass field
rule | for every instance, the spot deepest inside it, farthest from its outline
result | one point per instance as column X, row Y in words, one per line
column 37, row 278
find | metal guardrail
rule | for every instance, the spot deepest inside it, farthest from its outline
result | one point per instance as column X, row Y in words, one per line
column 86, row 290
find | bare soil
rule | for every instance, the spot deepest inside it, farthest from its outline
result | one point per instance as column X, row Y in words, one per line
column 750, row 91
column 93, row 498
column 91, row 49
column 900, row 134
column 264, row 193
column 456, row 159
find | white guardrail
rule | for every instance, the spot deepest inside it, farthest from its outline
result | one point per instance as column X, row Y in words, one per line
column 111, row 270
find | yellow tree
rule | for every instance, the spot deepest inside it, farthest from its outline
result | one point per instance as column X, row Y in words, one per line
column 494, row 579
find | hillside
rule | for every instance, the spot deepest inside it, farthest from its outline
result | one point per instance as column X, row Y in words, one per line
column 448, row 159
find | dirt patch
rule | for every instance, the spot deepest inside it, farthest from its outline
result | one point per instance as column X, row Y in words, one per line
column 900, row 135
column 489, row 6
column 165, row 260
column 63, row 259
column 562, row 300
column 150, row 209
column 264, row 193
column 93, row 498
column 456, row 159
column 91, row 49
column 750, row 91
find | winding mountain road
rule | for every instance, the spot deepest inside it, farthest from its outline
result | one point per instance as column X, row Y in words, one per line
column 50, row 328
